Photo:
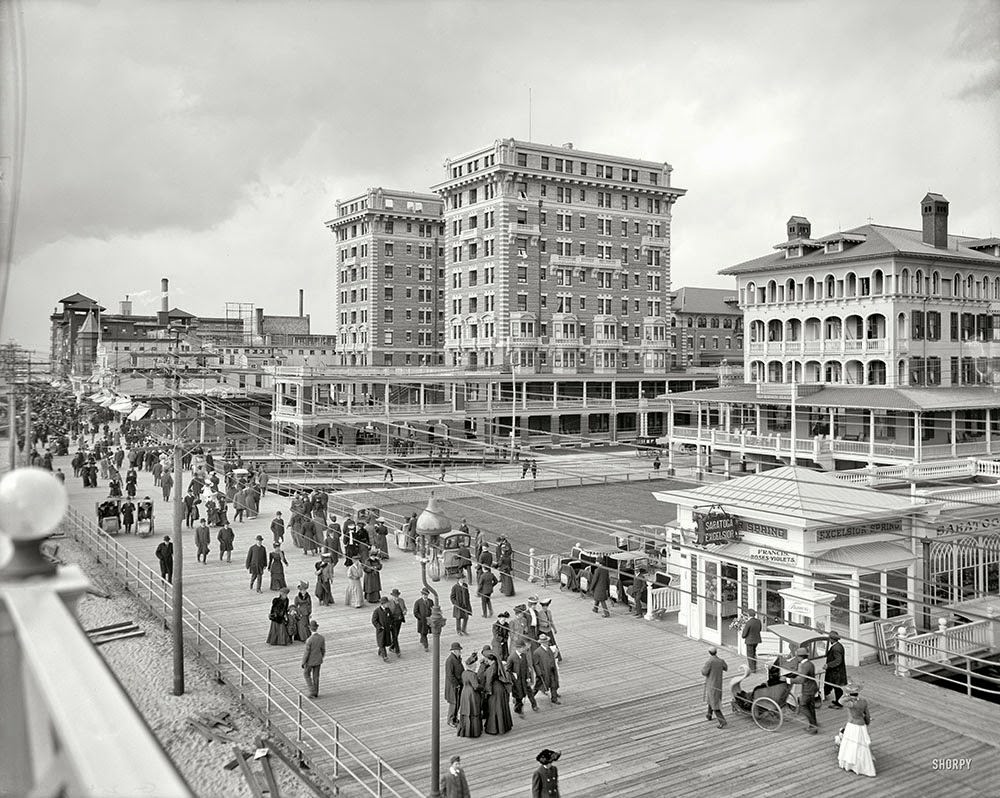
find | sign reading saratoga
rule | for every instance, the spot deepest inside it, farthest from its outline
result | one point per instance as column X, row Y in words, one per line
column 716, row 528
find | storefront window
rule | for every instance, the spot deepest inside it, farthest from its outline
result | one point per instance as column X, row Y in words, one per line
column 840, row 607
column 871, row 597
column 711, row 595
column 896, row 593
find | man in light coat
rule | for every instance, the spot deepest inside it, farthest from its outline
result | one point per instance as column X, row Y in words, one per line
column 312, row 658
column 712, row 671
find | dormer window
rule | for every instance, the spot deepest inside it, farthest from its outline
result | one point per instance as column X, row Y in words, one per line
column 834, row 246
column 793, row 252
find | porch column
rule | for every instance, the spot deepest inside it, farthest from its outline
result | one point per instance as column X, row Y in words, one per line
column 643, row 424
column 759, row 430
column 423, row 397
column 871, row 437
column 584, row 393
column 954, row 435
column 614, row 393
column 670, row 422
column 524, row 394
column 833, row 422
column 386, row 397
column 989, row 436
column 916, row 436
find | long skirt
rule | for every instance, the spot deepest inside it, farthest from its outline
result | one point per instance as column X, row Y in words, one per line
column 353, row 597
column 278, row 636
column 506, row 584
column 470, row 719
column 856, row 750
column 498, row 717
column 324, row 595
column 278, row 578
column 302, row 627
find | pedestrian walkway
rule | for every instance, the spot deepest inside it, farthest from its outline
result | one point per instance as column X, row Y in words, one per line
column 632, row 721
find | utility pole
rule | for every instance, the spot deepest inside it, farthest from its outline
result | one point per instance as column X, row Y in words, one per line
column 28, row 447
column 178, row 580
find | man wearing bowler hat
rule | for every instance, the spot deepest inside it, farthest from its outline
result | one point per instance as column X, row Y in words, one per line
column 545, row 781
column 422, row 615
column 453, row 669
column 751, row 636
column 836, row 670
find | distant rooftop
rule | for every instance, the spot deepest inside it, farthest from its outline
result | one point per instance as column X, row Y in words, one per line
column 705, row 300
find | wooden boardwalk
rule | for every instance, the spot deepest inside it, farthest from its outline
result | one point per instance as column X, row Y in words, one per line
column 632, row 720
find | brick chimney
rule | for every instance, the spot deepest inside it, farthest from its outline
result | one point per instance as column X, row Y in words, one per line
column 162, row 318
column 934, row 211
column 798, row 227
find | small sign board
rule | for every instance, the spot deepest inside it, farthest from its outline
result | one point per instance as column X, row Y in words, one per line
column 716, row 527
column 886, row 633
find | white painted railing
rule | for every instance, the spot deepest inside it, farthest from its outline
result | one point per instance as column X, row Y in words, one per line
column 300, row 722
column 943, row 644
column 68, row 726
column 661, row 599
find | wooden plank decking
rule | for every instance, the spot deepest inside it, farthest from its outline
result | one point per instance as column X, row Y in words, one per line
column 632, row 722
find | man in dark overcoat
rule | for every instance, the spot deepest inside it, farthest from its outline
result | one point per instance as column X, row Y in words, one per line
column 382, row 621
column 810, row 688
column 546, row 673
column 712, row 671
column 751, row 636
column 422, row 615
column 461, row 604
column 836, row 670
column 256, row 563
column 600, row 588
column 520, row 668
column 453, row 670
column 165, row 554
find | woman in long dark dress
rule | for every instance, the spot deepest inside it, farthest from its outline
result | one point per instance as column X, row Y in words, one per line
column 276, row 563
column 496, row 685
column 303, row 612
column 278, row 635
column 470, row 705
column 501, row 636
column 373, row 580
column 505, row 565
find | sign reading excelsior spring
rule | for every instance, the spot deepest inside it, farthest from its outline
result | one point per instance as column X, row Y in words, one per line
column 837, row 532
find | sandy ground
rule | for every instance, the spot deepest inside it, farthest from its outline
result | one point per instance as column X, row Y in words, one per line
column 144, row 666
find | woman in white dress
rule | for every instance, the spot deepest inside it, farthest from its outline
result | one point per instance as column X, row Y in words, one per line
column 354, row 597
column 855, row 753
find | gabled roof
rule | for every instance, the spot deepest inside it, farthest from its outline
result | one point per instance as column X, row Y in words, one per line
column 177, row 313
column 879, row 241
column 802, row 493
column 74, row 299
column 704, row 300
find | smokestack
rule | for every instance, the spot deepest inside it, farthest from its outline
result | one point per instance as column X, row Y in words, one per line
column 301, row 302
column 162, row 319
column 126, row 306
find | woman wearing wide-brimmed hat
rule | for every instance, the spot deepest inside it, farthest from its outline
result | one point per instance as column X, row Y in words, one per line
column 855, row 752
column 278, row 635
column 303, row 612
column 276, row 563
column 470, row 705
column 545, row 781
column 324, row 580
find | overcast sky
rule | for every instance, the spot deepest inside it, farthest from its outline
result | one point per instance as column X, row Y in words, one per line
column 207, row 142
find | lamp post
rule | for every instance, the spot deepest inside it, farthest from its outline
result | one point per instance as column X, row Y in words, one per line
column 430, row 524
column 513, row 392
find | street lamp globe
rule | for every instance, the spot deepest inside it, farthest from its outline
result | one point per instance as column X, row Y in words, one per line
column 32, row 503
column 432, row 522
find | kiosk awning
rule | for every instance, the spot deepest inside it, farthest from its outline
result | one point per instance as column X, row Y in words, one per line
column 866, row 555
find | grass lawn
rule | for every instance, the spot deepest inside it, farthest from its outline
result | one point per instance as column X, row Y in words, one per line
column 522, row 517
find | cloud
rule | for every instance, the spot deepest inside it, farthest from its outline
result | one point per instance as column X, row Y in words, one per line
column 208, row 141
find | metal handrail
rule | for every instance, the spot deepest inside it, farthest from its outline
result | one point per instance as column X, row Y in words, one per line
column 345, row 750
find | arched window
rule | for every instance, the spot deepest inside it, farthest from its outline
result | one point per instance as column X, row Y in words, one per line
column 918, row 282
column 904, row 281
column 810, row 289
column 936, row 283
column 751, row 296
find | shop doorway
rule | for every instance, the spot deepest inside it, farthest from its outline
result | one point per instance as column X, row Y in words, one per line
column 770, row 603
column 731, row 601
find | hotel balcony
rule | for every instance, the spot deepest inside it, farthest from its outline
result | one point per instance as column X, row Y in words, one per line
column 525, row 230
column 867, row 346
column 567, row 342
column 606, row 343
column 655, row 242
column 470, row 235
column 524, row 341
column 584, row 262
column 352, row 261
